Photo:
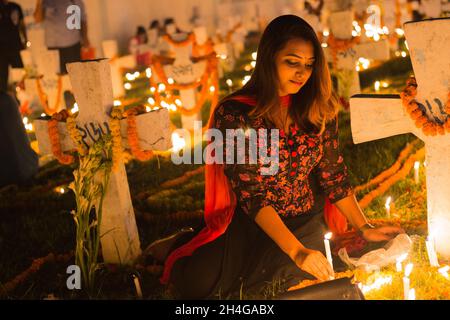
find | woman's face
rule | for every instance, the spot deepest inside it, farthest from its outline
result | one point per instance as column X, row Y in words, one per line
column 294, row 64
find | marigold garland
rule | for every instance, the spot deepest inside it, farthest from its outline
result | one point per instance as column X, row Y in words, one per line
column 114, row 125
column 429, row 128
column 178, row 44
column 210, row 72
column 43, row 97
column 307, row 283
column 55, row 143
column 133, row 139
column 385, row 185
column 202, row 50
column 75, row 135
column 36, row 265
column 389, row 172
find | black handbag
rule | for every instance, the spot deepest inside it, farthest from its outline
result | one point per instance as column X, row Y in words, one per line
column 339, row 289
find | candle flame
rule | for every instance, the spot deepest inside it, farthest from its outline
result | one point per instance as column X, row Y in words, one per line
column 416, row 165
column 388, row 202
column 328, row 235
column 408, row 269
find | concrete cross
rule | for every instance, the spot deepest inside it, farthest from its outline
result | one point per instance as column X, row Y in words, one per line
column 45, row 65
column 183, row 71
column 111, row 51
column 380, row 116
column 91, row 82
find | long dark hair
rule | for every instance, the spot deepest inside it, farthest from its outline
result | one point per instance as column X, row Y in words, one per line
column 314, row 104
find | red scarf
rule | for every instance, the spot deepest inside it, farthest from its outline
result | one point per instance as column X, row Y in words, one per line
column 220, row 203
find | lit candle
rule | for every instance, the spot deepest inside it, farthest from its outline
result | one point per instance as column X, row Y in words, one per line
column 399, row 262
column 388, row 206
column 444, row 272
column 138, row 287
column 432, row 257
column 377, row 86
column 412, row 294
column 416, row 171
column 327, row 248
column 406, row 281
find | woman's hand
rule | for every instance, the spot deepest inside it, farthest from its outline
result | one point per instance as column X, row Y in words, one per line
column 383, row 233
column 314, row 262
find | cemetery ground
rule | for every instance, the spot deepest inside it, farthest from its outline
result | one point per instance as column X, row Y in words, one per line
column 37, row 223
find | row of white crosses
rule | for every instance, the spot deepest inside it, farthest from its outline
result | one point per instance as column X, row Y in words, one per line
column 91, row 81
column 45, row 63
column 341, row 26
column 380, row 116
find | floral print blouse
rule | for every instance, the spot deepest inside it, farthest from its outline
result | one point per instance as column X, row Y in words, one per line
column 288, row 191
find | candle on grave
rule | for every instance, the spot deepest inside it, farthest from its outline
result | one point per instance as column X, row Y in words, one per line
column 412, row 294
column 138, row 287
column 444, row 272
column 416, row 171
column 399, row 262
column 406, row 281
column 388, row 207
column 327, row 248
column 432, row 257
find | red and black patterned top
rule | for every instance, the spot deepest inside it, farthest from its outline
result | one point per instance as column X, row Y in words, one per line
column 288, row 191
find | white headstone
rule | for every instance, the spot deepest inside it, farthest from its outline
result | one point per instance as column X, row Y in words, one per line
column 93, row 92
column 427, row 41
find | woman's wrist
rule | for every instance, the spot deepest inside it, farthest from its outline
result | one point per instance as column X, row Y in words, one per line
column 299, row 250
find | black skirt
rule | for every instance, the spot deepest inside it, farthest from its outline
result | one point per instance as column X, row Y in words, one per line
column 244, row 259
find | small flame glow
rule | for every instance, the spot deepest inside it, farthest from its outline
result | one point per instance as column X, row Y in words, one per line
column 75, row 108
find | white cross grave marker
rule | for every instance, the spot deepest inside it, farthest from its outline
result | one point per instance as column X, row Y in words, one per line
column 93, row 92
column 377, row 116
column 183, row 71
column 46, row 66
